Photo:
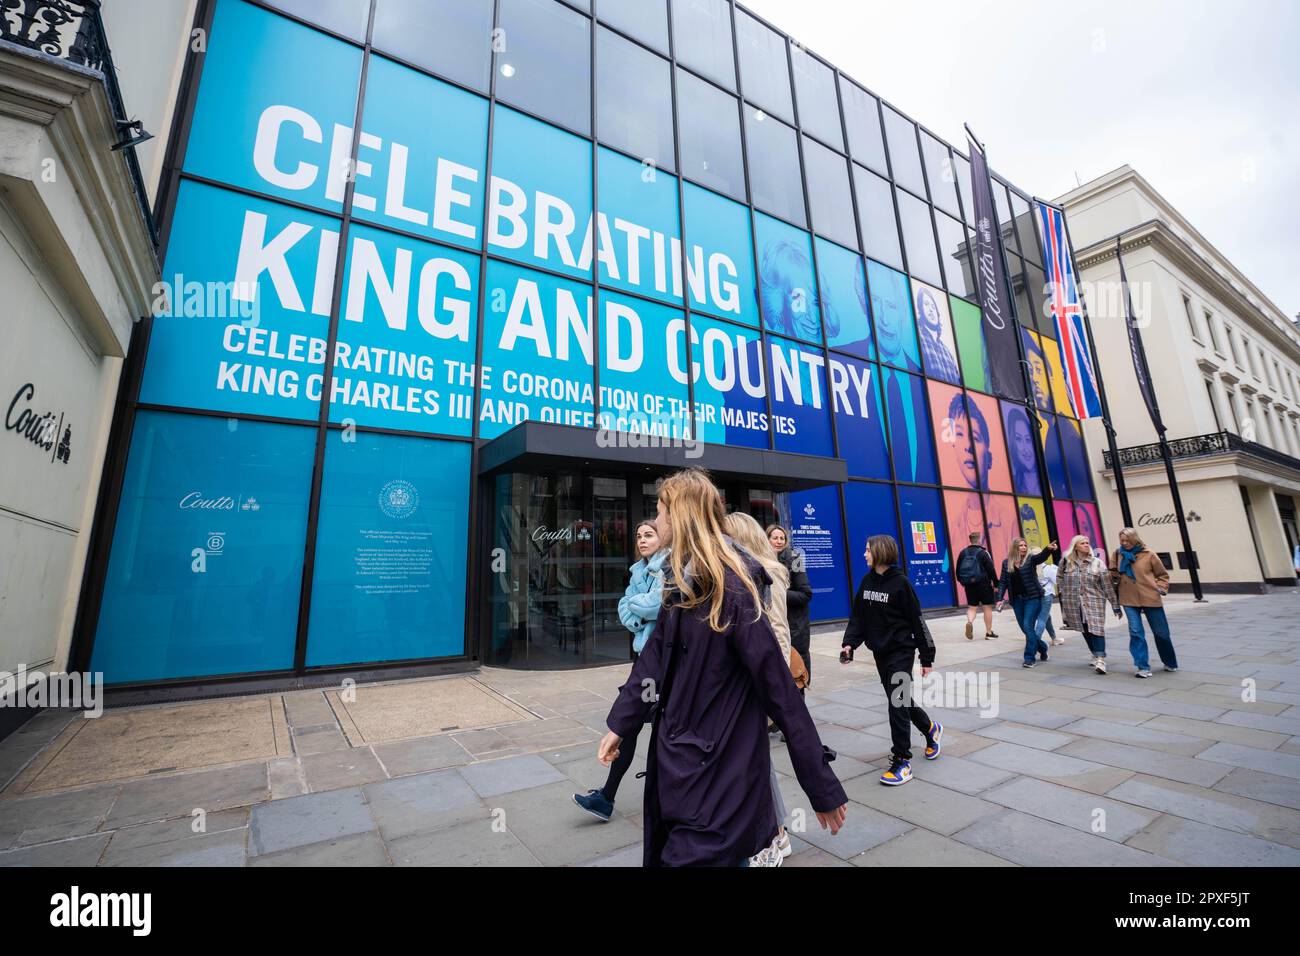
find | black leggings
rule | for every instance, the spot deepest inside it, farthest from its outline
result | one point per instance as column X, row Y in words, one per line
column 626, row 751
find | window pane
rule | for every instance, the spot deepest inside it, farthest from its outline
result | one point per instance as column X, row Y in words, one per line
column 877, row 218
column 918, row 239
column 828, row 193
column 891, row 316
column 709, row 125
column 390, row 551
column 859, row 420
column 940, row 173
column 774, row 166
column 963, row 187
column 647, row 20
column 843, row 290
column 862, row 117
column 223, row 496
column 641, row 208
column 785, row 275
column 347, row 17
column 634, row 103
column 702, row 39
column 721, row 228
column 955, row 253
column 583, row 5
column 453, row 38
column 730, row 391
column 819, row 108
column 1024, row 227
column 764, row 69
column 903, row 152
column 546, row 66
column 799, row 394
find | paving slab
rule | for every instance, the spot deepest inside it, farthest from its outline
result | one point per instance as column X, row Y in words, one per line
column 1025, row 736
column 921, row 847
column 544, row 821
column 1144, row 760
column 466, row 844
column 1029, row 841
column 341, row 768
column 79, row 852
column 422, row 802
column 1139, row 736
column 1081, row 708
column 920, row 803
column 1053, row 766
column 962, row 774
column 223, row 848
column 1154, row 705
column 864, row 827
column 1072, row 808
column 1198, row 844
column 42, row 818
column 145, row 835
column 178, row 795
column 313, row 818
column 1267, row 787
column 359, row 849
column 1216, row 808
column 1213, row 730
column 1277, row 725
column 495, row 777
column 1235, row 755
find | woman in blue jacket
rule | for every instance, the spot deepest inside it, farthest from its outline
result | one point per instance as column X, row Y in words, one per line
column 638, row 609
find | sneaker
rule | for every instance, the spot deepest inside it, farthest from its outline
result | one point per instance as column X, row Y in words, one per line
column 932, row 741
column 1058, row 641
column 782, row 844
column 1042, row 656
column 768, row 856
column 1170, row 670
column 990, row 636
column 970, row 631
column 1143, row 674
column 1027, row 664
column 1099, row 665
column 595, row 803
column 899, row 772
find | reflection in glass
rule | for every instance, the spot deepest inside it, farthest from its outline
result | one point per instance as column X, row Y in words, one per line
column 918, row 238
column 862, row 119
column 904, row 156
column 634, row 109
column 646, row 20
column 940, row 173
column 545, row 67
column 774, row 167
column 764, row 69
column 452, row 38
column 709, row 126
column 702, row 39
column 819, row 107
column 877, row 218
column 828, row 193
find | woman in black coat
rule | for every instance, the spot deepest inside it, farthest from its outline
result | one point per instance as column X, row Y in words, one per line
column 712, row 674
column 799, row 595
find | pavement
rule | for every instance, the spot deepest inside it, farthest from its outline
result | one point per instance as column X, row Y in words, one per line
column 1198, row 767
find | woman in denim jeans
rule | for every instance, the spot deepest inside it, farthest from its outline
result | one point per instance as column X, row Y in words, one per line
column 1019, row 580
column 1142, row 582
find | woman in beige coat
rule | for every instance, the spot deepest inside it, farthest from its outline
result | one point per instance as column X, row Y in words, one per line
column 1142, row 582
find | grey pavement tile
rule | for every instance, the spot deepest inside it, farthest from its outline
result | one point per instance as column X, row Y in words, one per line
column 494, row 777
column 590, row 775
column 484, row 744
column 629, row 856
column 1053, row 766
column 1072, row 808
column 844, row 766
column 359, row 849
column 1156, row 706
column 570, row 753
column 857, row 697
column 223, row 848
column 1029, row 841
column 285, row 778
column 1025, row 736
column 855, row 718
column 178, row 795
column 1033, row 716
column 1145, row 760
column 79, row 851
column 524, row 731
column 920, row 802
column 1081, row 708
column 961, row 773
column 307, row 708
column 1270, row 788
column 422, row 802
column 42, row 818
column 420, row 754
column 313, row 818
column 343, row 768
column 320, row 742
column 1140, row 736
column 1118, row 680
column 1213, row 730
column 863, row 828
column 1044, row 688
column 1204, row 699
column 1283, row 765
column 1224, row 810
column 1276, row 725
column 1199, row 844
column 966, row 718
column 921, row 847
column 806, row 855
column 854, row 743
column 172, row 831
column 545, row 820
column 957, row 743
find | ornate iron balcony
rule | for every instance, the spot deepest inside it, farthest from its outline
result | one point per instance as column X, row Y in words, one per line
column 73, row 30
column 1200, row 446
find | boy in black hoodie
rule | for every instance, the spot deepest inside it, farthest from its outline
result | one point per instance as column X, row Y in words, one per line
column 886, row 616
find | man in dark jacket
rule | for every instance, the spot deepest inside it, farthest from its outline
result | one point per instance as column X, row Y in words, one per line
column 978, row 577
column 708, row 798
column 886, row 616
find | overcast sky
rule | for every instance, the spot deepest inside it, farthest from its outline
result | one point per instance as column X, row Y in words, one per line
column 1201, row 98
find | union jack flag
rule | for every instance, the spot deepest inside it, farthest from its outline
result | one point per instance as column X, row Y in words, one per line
column 1076, row 357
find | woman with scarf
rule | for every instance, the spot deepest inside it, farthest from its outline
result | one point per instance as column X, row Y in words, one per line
column 1142, row 582
column 1085, row 587
column 712, row 673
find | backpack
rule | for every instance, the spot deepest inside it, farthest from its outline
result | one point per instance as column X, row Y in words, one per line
column 968, row 567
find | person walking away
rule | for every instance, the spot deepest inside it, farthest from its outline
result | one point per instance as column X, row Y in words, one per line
column 1085, row 587
column 978, row 577
column 886, row 616
column 711, row 673
column 799, row 596
column 748, row 534
column 1142, row 582
column 1019, row 582
column 638, row 610
column 1047, row 581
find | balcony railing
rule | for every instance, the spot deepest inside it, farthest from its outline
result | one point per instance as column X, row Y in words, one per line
column 1201, row 446
column 73, row 30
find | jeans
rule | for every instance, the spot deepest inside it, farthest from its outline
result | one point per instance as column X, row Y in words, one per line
column 1029, row 618
column 1044, row 621
column 1137, row 638
column 1096, row 642
column 889, row 663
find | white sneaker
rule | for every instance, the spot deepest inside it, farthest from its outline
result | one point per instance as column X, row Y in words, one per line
column 768, row 856
column 1099, row 665
column 1058, row 641
column 1142, row 674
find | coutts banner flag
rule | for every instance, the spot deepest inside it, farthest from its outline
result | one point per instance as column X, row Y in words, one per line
column 1005, row 373
column 1140, row 368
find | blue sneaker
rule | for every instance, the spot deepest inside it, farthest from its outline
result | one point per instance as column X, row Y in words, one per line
column 595, row 803
column 932, row 744
column 899, row 772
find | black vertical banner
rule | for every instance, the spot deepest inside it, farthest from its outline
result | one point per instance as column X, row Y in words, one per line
column 1140, row 368
column 1006, row 376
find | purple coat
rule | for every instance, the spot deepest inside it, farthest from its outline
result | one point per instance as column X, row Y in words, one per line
column 708, row 795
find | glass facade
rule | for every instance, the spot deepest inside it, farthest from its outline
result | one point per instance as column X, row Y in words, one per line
column 658, row 219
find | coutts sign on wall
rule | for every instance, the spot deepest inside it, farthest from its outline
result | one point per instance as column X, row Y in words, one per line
column 47, row 430
column 1148, row 519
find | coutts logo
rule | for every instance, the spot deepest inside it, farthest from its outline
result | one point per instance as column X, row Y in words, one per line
column 43, row 429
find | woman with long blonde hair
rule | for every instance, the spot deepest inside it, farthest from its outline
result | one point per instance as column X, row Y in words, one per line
column 712, row 673
column 1019, row 580
column 1085, row 587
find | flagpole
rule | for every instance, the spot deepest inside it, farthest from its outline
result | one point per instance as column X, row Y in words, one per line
column 1031, row 404
column 1140, row 355
column 1121, row 488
